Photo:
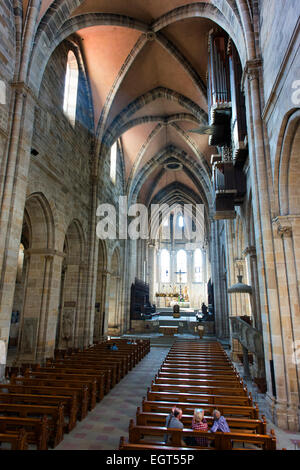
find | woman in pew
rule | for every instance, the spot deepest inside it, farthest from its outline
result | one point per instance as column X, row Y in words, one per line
column 220, row 423
column 199, row 423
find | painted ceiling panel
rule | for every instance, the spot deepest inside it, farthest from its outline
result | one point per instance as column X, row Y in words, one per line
column 105, row 49
column 154, row 67
column 132, row 142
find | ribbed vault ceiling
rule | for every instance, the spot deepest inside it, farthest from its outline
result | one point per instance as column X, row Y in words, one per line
column 140, row 82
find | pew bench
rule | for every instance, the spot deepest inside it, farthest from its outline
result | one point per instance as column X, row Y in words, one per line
column 37, row 429
column 153, row 395
column 34, row 387
column 257, row 426
column 55, row 416
column 47, row 378
column 227, row 388
column 72, row 374
column 226, row 410
column 16, row 441
column 221, row 441
column 110, row 370
column 70, row 406
column 123, row 445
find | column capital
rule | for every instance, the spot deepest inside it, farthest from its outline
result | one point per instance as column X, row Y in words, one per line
column 251, row 70
column 250, row 250
column 23, row 89
column 44, row 252
column 282, row 225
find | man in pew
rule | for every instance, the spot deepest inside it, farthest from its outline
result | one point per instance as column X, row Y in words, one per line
column 173, row 421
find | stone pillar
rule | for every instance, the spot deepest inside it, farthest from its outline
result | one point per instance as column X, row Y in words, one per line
column 273, row 341
column 289, row 312
column 246, row 364
column 250, row 255
column 13, row 194
column 219, row 317
column 190, row 271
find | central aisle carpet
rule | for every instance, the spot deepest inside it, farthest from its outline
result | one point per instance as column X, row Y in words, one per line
column 102, row 428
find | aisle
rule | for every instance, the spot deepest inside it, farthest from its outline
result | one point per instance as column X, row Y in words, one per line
column 102, row 428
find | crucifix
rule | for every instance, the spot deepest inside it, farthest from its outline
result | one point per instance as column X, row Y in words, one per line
column 180, row 274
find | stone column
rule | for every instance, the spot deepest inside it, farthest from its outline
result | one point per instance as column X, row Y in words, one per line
column 13, row 195
column 219, row 317
column 289, row 312
column 246, row 364
column 250, row 255
column 80, row 338
column 190, row 271
column 273, row 342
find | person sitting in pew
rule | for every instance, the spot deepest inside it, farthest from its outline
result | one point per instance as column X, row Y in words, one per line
column 220, row 423
column 173, row 421
column 114, row 347
column 170, row 419
column 199, row 423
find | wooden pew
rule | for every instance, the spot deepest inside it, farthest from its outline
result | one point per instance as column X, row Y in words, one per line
column 55, row 416
column 101, row 359
column 37, row 429
column 107, row 356
column 235, row 386
column 153, row 395
column 60, row 378
column 71, row 363
column 16, row 441
column 60, row 388
column 128, row 356
column 103, row 376
column 226, row 410
column 229, row 373
column 70, row 406
column 123, row 445
column 165, row 372
column 74, row 374
column 198, row 366
column 222, row 441
column 258, row 426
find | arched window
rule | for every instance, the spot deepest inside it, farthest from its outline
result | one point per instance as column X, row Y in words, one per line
column 71, row 87
column 198, row 264
column 20, row 264
column 180, row 221
column 165, row 266
column 113, row 162
column 181, row 266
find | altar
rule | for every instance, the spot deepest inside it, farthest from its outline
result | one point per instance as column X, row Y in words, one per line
column 168, row 330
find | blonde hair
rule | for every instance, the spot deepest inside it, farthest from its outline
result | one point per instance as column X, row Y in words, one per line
column 198, row 414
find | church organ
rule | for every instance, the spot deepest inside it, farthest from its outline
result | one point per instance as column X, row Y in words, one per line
column 226, row 114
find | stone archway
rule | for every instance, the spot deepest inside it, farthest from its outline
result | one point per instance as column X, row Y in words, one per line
column 70, row 323
column 100, row 298
column 38, row 308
